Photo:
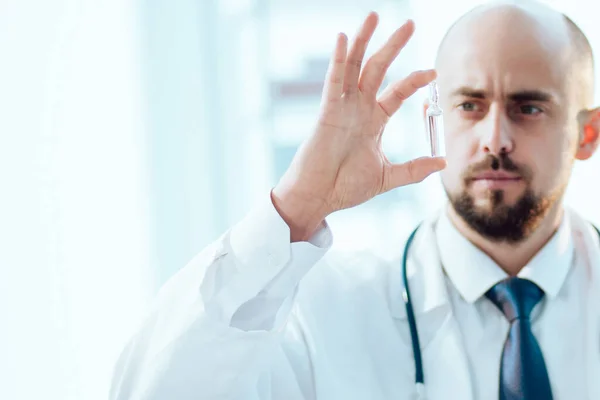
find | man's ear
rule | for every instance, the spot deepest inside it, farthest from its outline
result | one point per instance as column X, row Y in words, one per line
column 589, row 134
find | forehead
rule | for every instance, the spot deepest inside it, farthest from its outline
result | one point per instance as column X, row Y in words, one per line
column 507, row 50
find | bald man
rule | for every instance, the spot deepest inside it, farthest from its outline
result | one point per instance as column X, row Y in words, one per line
column 497, row 295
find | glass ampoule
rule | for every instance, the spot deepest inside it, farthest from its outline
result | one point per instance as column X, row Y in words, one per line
column 435, row 123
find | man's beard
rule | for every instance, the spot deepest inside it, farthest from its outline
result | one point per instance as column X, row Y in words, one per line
column 503, row 223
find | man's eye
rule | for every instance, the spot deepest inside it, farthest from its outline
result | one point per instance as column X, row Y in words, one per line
column 469, row 107
column 529, row 109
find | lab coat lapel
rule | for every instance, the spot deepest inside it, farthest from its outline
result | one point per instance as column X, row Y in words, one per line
column 446, row 369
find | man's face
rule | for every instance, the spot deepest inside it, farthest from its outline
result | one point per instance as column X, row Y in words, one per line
column 507, row 91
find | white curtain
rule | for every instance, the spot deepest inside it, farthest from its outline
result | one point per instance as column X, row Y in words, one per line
column 75, row 232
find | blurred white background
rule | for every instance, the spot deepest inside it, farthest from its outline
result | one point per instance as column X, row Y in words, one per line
column 133, row 133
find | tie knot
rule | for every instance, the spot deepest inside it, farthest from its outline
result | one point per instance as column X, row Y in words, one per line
column 515, row 297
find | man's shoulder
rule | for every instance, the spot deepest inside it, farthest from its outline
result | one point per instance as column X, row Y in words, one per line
column 586, row 241
column 583, row 227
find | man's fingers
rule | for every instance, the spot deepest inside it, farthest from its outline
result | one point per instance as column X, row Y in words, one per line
column 357, row 53
column 393, row 97
column 334, row 81
column 376, row 67
column 412, row 171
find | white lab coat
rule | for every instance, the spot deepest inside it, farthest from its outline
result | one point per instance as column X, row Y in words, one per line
column 246, row 320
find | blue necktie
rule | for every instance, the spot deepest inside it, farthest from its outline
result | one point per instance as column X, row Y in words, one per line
column 523, row 374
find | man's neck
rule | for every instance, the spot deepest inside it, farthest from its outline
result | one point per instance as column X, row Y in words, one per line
column 512, row 257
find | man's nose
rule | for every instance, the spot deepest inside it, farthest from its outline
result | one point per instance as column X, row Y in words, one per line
column 496, row 135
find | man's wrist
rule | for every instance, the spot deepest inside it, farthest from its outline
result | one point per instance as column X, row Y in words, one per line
column 303, row 215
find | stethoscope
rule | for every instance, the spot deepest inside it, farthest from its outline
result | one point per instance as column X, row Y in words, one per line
column 412, row 323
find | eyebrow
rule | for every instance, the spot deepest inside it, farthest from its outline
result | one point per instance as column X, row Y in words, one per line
column 466, row 91
column 530, row 95
column 519, row 96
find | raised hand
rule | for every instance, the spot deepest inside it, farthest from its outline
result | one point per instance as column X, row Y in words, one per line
column 342, row 164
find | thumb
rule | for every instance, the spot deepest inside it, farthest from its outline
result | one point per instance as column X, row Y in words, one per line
column 412, row 171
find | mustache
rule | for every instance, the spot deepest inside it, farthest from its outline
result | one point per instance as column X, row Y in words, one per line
column 497, row 163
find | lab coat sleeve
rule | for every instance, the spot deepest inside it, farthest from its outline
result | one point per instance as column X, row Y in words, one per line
column 224, row 327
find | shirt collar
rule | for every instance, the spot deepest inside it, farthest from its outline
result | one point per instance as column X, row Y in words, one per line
column 472, row 272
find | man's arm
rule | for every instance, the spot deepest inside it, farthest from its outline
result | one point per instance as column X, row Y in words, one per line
column 213, row 333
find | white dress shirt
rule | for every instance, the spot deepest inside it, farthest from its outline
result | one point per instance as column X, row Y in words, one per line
column 255, row 317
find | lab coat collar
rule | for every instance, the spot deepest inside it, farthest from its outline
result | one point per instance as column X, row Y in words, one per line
column 425, row 276
column 439, row 334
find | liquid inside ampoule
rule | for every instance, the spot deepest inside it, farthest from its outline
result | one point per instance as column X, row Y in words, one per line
column 435, row 123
